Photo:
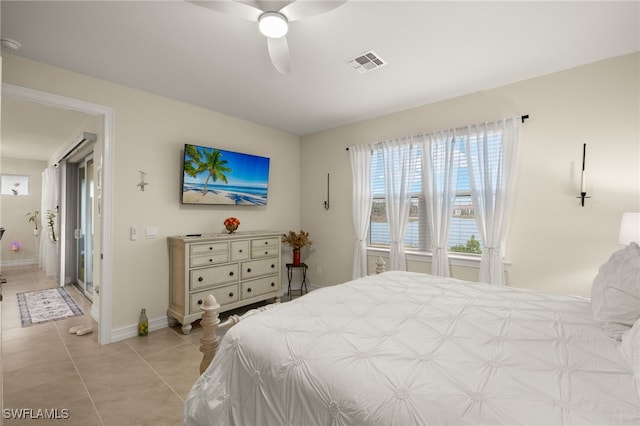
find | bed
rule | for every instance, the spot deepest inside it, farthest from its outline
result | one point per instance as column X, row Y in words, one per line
column 403, row 348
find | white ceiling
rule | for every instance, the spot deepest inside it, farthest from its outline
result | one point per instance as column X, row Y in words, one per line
column 435, row 51
column 34, row 131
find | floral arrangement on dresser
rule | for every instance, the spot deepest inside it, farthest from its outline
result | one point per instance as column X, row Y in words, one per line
column 231, row 223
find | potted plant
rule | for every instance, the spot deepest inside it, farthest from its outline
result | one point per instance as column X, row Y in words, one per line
column 33, row 217
column 297, row 241
column 51, row 222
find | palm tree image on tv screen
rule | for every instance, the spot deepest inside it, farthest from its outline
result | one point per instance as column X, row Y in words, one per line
column 217, row 176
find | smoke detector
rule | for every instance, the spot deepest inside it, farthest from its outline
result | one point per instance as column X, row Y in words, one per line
column 366, row 62
column 9, row 44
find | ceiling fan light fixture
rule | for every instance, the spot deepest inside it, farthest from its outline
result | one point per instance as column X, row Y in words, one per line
column 273, row 24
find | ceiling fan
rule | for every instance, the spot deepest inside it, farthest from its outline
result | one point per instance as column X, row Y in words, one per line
column 273, row 21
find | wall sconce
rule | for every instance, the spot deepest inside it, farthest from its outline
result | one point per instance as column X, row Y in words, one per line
column 326, row 194
column 629, row 228
column 142, row 183
column 583, row 177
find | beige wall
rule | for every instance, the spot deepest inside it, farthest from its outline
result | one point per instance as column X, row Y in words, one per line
column 14, row 212
column 150, row 133
column 553, row 244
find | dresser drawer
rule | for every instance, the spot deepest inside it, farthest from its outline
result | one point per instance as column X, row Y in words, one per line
column 223, row 295
column 259, row 286
column 264, row 247
column 214, row 276
column 209, row 259
column 257, row 268
column 239, row 250
column 208, row 254
column 264, row 252
column 200, row 249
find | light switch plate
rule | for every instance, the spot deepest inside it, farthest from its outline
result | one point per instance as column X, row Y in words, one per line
column 151, row 232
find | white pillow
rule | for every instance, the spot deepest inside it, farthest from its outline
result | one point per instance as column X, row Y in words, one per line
column 615, row 294
column 631, row 348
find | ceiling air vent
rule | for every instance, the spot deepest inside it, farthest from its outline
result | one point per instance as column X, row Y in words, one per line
column 366, row 62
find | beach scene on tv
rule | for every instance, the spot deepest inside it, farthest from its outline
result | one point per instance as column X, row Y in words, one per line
column 216, row 176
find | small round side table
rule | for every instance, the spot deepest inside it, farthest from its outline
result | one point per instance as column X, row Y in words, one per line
column 303, row 283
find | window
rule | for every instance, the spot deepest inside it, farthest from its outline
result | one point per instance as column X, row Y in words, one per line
column 14, row 185
column 379, row 235
column 463, row 233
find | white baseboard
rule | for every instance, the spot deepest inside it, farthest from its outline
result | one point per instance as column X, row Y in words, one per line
column 296, row 287
column 313, row 286
column 95, row 313
column 19, row 262
column 128, row 331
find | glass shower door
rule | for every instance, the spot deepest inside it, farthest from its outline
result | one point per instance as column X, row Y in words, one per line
column 84, row 228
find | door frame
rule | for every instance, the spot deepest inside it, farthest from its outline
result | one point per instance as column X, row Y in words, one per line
column 106, row 240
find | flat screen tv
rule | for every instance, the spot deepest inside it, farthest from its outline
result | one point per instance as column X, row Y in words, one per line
column 216, row 176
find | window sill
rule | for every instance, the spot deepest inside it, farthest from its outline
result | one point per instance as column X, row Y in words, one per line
column 455, row 259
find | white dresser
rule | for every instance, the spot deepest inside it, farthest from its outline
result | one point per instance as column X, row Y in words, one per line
column 238, row 269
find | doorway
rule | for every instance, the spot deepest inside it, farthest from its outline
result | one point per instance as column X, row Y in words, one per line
column 106, row 115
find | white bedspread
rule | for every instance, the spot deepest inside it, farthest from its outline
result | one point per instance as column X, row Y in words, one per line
column 402, row 348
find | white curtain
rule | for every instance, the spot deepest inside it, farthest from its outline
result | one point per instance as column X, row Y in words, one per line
column 490, row 179
column 361, row 199
column 50, row 195
column 440, row 163
column 400, row 159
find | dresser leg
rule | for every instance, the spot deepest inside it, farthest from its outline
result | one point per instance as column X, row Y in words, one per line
column 186, row 328
column 173, row 322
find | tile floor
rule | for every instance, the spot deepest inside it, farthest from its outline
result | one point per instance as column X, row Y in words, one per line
column 137, row 381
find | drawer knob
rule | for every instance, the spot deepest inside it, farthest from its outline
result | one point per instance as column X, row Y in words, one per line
column 199, row 301
column 200, row 279
column 273, row 266
column 248, row 269
column 230, row 294
column 210, row 260
column 249, row 290
column 240, row 251
column 266, row 242
column 210, row 248
column 273, row 284
column 266, row 252
column 230, row 273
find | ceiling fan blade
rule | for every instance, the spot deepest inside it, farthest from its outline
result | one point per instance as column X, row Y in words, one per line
column 305, row 9
column 279, row 53
column 233, row 8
